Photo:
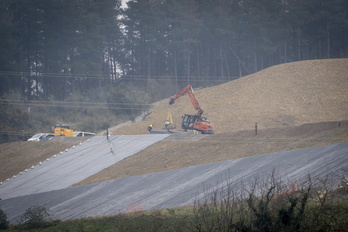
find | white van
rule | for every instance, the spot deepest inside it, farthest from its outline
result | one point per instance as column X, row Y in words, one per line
column 41, row 137
column 82, row 134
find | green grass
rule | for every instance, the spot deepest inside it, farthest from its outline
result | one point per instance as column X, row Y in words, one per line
column 332, row 218
column 144, row 221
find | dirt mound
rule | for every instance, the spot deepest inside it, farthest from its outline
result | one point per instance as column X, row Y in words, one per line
column 283, row 95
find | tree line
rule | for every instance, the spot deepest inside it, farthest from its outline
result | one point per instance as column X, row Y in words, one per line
column 51, row 49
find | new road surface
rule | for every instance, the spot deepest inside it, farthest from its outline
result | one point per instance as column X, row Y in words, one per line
column 48, row 184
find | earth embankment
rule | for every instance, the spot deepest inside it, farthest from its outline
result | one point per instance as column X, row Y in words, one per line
column 295, row 105
column 289, row 94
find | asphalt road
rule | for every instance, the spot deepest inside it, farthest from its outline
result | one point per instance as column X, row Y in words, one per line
column 177, row 187
column 76, row 164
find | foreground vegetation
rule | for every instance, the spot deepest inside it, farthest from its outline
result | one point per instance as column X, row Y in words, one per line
column 261, row 205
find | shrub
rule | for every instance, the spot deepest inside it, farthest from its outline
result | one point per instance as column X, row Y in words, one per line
column 4, row 223
column 37, row 217
column 272, row 205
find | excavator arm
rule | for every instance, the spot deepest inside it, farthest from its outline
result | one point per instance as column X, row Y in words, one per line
column 193, row 122
column 189, row 91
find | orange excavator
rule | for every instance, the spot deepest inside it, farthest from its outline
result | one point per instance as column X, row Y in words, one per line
column 193, row 122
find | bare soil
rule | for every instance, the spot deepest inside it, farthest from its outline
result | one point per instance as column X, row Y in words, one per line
column 295, row 105
column 289, row 94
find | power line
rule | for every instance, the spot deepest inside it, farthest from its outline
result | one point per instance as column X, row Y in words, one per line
column 78, row 105
column 123, row 77
column 135, row 106
column 80, row 77
column 85, row 107
column 33, row 102
column 19, row 133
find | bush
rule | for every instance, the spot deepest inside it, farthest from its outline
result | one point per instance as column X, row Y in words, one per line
column 37, row 217
column 272, row 205
column 4, row 223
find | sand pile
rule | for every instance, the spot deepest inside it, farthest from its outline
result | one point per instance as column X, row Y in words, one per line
column 284, row 95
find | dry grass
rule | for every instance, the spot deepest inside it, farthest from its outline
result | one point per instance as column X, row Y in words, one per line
column 279, row 99
column 283, row 95
column 17, row 156
column 178, row 151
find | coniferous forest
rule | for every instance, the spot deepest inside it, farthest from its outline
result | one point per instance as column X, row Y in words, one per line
column 102, row 52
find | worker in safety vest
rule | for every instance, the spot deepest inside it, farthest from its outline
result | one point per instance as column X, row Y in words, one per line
column 150, row 127
column 166, row 123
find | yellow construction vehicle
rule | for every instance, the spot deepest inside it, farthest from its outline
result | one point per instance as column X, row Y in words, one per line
column 168, row 124
column 63, row 130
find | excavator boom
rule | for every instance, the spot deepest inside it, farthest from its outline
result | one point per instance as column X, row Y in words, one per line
column 189, row 91
column 193, row 122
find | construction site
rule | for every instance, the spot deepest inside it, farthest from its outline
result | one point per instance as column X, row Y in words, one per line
column 292, row 110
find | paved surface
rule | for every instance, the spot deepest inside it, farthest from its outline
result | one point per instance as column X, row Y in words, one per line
column 76, row 164
column 177, row 187
column 166, row 132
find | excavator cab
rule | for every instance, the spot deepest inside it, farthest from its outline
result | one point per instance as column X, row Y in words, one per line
column 188, row 121
column 196, row 122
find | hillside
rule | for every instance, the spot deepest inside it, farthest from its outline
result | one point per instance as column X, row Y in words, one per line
column 283, row 95
column 295, row 105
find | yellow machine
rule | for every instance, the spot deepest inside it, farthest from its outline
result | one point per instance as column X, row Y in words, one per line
column 63, row 130
column 169, row 122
